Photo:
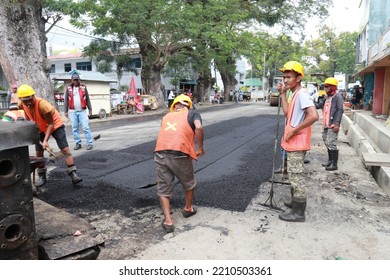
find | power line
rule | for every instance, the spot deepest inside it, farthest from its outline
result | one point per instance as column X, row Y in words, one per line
column 78, row 33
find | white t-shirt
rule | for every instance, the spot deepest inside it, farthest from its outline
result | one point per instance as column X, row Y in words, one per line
column 77, row 101
column 302, row 102
column 171, row 95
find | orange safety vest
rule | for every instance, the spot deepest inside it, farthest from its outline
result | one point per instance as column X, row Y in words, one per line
column 326, row 112
column 301, row 140
column 35, row 115
column 176, row 134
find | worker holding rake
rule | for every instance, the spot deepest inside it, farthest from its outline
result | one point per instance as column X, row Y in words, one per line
column 300, row 114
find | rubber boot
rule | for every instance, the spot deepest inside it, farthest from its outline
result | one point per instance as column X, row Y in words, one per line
column 289, row 203
column 334, row 158
column 42, row 179
column 73, row 175
column 326, row 164
column 297, row 212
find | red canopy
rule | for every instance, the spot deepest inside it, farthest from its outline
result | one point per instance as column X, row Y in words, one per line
column 132, row 89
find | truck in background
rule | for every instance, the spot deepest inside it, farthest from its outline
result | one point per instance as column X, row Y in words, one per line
column 273, row 94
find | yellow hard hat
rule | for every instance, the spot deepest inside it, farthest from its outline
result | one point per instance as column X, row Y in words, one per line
column 331, row 81
column 293, row 66
column 25, row 91
column 183, row 99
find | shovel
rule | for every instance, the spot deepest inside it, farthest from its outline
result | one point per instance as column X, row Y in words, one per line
column 53, row 155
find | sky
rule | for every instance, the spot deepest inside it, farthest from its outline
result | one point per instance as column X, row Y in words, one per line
column 344, row 16
column 64, row 36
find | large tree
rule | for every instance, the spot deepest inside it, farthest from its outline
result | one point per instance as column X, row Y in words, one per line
column 269, row 52
column 164, row 28
column 233, row 19
column 23, row 55
column 158, row 27
column 332, row 52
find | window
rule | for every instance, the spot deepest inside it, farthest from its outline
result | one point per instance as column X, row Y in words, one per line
column 53, row 68
column 136, row 62
column 67, row 67
column 86, row 66
column 133, row 63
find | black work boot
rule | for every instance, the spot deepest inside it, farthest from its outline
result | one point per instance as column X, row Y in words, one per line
column 334, row 158
column 326, row 164
column 73, row 175
column 297, row 212
column 41, row 177
column 289, row 203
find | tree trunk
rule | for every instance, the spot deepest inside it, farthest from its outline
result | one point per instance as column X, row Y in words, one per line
column 229, row 81
column 119, row 74
column 151, row 72
column 203, row 88
column 23, row 55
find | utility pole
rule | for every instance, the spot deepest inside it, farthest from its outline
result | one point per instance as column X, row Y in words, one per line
column 215, row 75
column 251, row 78
column 264, row 75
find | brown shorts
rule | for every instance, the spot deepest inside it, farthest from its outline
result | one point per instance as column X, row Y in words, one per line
column 169, row 166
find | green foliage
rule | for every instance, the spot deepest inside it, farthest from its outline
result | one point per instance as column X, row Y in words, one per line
column 204, row 30
column 332, row 53
column 105, row 53
column 58, row 87
column 124, row 88
column 272, row 52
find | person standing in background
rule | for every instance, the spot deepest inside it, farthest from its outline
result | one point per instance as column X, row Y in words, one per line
column 76, row 103
column 12, row 96
column 332, row 113
column 171, row 97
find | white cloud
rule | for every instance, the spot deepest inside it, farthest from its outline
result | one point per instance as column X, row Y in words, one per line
column 344, row 16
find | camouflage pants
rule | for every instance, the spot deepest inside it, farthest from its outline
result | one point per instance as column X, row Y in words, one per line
column 296, row 174
column 330, row 139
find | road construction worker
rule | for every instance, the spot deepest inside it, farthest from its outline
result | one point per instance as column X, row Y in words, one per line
column 174, row 155
column 49, row 123
column 300, row 114
column 332, row 113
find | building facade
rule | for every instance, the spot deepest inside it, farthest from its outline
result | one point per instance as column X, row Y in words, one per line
column 373, row 55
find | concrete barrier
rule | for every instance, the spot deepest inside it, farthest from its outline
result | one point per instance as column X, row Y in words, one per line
column 369, row 135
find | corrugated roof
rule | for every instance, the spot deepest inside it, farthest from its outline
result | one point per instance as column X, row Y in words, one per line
column 84, row 76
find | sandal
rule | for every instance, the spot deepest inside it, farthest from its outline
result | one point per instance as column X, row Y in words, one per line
column 187, row 214
column 167, row 228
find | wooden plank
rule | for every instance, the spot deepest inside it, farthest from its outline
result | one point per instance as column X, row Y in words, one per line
column 376, row 159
